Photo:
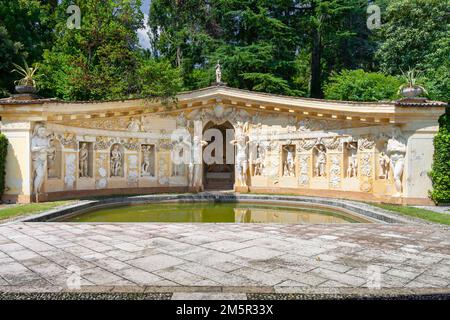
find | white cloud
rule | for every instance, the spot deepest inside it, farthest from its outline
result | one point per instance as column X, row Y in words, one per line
column 144, row 40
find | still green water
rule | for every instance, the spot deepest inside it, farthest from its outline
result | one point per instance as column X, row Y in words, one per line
column 215, row 212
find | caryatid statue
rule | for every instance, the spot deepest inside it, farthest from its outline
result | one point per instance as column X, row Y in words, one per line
column 241, row 142
column 180, row 152
column 40, row 146
column 84, row 160
column 116, row 161
column 396, row 150
column 195, row 164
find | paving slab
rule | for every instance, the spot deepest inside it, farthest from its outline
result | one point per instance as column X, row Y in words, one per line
column 224, row 258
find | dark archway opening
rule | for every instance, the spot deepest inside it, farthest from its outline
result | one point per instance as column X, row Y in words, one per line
column 219, row 176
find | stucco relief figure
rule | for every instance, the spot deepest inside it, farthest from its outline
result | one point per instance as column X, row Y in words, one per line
column 304, row 176
column 289, row 163
column 84, row 160
column 259, row 161
column 218, row 114
column 181, row 120
column 321, row 161
column 292, row 125
column 146, row 167
column 179, row 166
column 307, row 125
column 116, row 161
column 304, row 125
column 70, row 164
column 396, row 150
column 366, row 165
column 195, row 166
column 39, row 148
column 335, row 172
column 352, row 169
column 51, row 159
column 218, row 72
column 241, row 142
column 102, row 172
column 134, row 125
column 162, row 172
column 384, row 162
column 132, row 172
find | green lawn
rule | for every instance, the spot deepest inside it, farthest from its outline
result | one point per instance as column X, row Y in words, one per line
column 416, row 212
column 27, row 209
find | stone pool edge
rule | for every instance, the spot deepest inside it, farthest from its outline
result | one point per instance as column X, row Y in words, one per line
column 362, row 209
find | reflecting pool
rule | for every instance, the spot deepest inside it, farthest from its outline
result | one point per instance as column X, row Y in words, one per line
column 217, row 212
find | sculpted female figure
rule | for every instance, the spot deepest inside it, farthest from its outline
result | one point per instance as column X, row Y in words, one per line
column 352, row 170
column 146, row 161
column 259, row 162
column 321, row 160
column 195, row 167
column 384, row 165
column 116, row 161
column 289, row 165
column 241, row 143
column 51, row 158
column 218, row 72
column 84, row 155
column 396, row 150
column 39, row 147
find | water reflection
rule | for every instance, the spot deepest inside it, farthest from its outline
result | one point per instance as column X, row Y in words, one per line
column 216, row 212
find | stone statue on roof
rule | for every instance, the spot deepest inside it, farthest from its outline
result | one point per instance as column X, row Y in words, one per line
column 218, row 72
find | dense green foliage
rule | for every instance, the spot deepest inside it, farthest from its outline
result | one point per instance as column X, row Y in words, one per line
column 25, row 31
column 3, row 154
column 279, row 46
column 415, row 33
column 358, row 85
column 263, row 45
column 440, row 173
column 98, row 61
column 102, row 60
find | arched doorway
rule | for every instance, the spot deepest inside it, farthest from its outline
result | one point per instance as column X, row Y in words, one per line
column 219, row 176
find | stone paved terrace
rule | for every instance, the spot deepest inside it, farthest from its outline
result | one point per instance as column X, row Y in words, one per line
column 224, row 258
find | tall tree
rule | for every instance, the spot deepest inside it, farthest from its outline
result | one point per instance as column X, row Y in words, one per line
column 339, row 39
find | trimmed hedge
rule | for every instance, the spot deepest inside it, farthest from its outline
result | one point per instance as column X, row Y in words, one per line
column 3, row 153
column 440, row 173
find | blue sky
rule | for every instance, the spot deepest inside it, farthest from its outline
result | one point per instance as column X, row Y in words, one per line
column 144, row 40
